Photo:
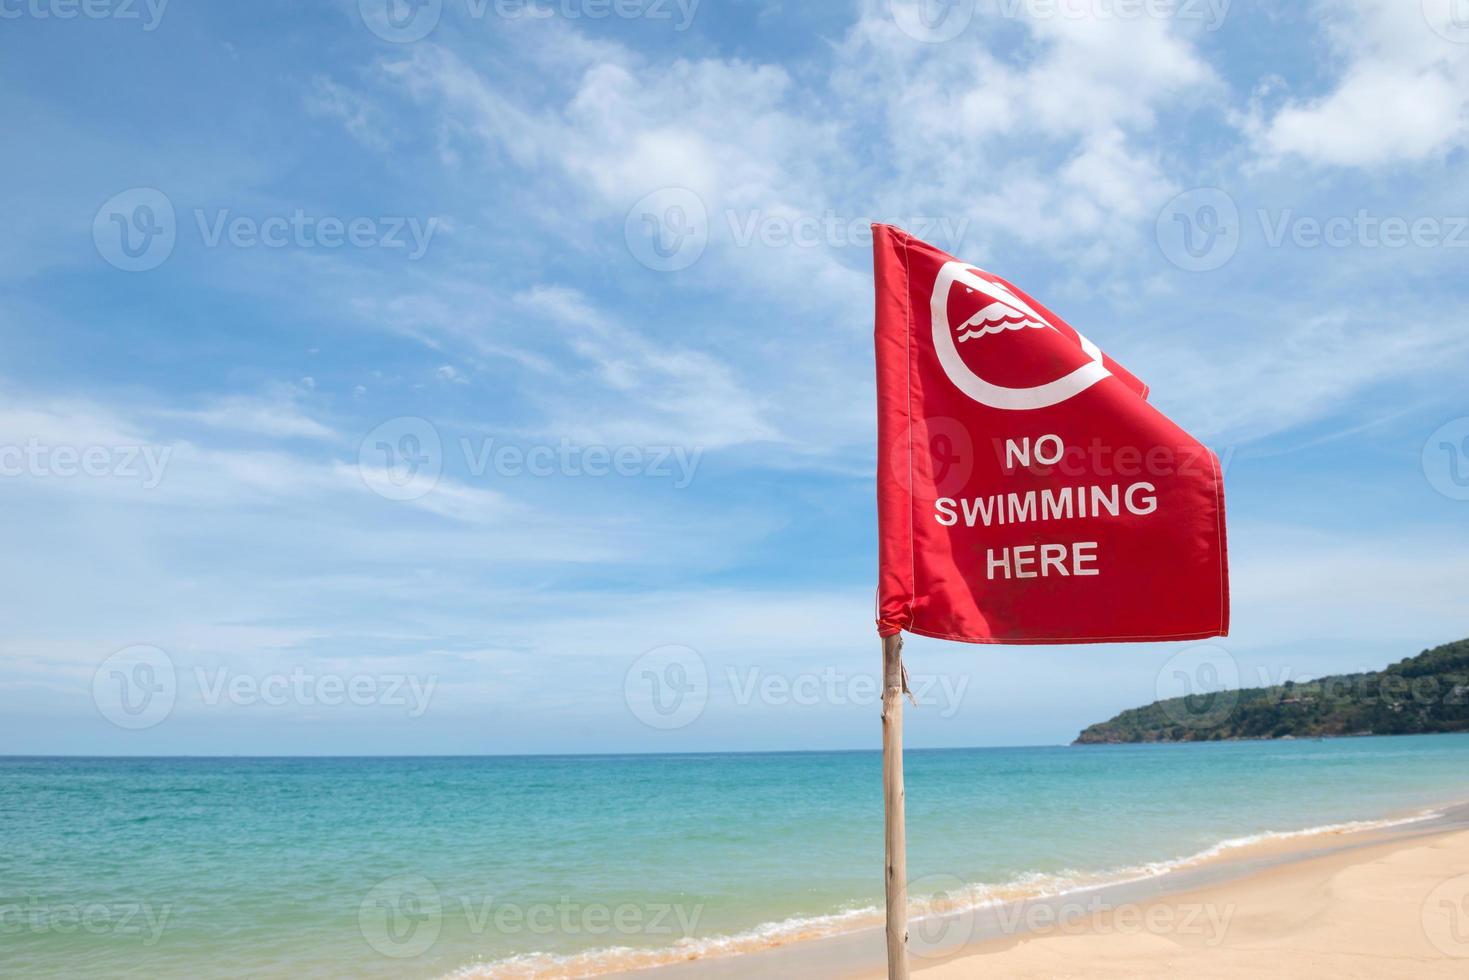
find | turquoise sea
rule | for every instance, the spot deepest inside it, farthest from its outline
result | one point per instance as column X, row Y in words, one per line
column 568, row 865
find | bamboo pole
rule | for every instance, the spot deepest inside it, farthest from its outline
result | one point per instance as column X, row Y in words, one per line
column 895, row 844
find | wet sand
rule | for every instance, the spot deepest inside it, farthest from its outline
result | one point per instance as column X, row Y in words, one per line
column 1388, row 902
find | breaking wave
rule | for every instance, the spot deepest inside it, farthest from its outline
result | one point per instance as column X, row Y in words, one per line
column 950, row 901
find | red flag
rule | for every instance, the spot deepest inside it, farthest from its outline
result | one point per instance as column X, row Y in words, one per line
column 1027, row 492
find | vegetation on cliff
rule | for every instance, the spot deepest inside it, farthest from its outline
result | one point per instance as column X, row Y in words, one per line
column 1423, row 694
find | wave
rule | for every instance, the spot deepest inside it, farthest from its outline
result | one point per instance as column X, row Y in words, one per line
column 618, row 959
column 956, row 900
column 997, row 318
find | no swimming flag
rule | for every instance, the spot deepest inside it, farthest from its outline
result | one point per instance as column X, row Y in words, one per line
column 1027, row 492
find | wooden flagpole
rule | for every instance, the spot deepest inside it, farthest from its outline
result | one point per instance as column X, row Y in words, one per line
column 894, row 838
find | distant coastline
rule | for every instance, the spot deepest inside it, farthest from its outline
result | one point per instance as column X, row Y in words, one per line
column 1427, row 694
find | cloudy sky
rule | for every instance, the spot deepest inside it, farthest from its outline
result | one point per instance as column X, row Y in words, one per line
column 437, row 379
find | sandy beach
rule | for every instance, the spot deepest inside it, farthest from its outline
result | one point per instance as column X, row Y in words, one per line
column 1390, row 900
column 1397, row 908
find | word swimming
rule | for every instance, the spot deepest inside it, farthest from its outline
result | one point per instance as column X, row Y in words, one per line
column 1063, row 503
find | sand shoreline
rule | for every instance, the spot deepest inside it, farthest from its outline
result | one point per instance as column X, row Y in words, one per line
column 1375, row 902
column 1394, row 907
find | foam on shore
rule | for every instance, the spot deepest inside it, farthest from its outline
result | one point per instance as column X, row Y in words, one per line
column 935, row 897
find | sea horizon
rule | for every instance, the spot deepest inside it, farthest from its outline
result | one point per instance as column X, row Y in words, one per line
column 910, row 749
column 472, row 866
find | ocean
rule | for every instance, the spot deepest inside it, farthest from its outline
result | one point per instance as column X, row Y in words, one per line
column 566, row 866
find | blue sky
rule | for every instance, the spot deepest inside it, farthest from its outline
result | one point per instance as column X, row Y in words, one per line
column 390, row 392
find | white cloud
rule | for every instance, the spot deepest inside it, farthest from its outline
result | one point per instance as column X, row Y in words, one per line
column 1300, row 368
column 358, row 116
column 629, row 390
column 1402, row 95
column 1295, row 584
column 1054, row 148
column 65, row 422
column 1056, row 152
column 744, row 137
column 277, row 413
